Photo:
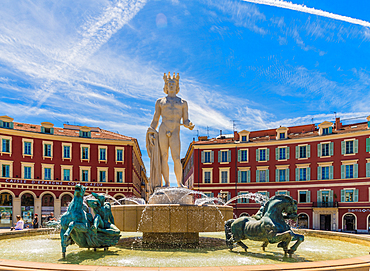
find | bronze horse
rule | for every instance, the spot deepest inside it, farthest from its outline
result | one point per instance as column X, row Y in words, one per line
column 267, row 225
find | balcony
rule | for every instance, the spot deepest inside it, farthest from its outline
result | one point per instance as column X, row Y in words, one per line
column 326, row 204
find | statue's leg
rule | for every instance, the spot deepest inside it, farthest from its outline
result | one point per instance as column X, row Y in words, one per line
column 175, row 146
column 63, row 242
column 240, row 243
column 264, row 245
column 163, row 146
column 300, row 239
column 284, row 239
column 228, row 234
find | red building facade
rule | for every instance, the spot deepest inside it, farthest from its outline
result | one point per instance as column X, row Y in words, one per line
column 41, row 164
column 325, row 168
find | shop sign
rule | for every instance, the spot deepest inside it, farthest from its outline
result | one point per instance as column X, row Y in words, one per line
column 51, row 182
column 359, row 210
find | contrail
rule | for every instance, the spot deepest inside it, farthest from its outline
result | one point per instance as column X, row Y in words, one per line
column 303, row 8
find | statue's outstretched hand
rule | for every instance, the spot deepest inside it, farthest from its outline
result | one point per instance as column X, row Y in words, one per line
column 190, row 125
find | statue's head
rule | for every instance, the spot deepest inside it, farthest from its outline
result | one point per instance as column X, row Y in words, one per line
column 171, row 84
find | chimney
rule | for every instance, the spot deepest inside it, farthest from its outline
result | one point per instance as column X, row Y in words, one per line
column 236, row 136
column 220, row 132
column 338, row 124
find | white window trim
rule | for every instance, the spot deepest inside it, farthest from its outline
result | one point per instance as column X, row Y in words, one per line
column 62, row 168
column 123, row 154
column 204, row 170
column 51, row 166
column 115, row 174
column 10, row 144
column 98, row 169
column 264, row 161
column 244, row 149
column 88, row 154
column 306, row 194
column 303, row 145
column 350, row 154
column 221, row 169
column 321, row 145
column 23, row 149
column 224, row 163
column 70, row 151
column 27, row 164
column 208, row 163
column 10, row 164
column 88, row 168
column 286, row 152
column 44, row 143
column 106, row 153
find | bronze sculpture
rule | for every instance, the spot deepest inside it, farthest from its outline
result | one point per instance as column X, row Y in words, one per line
column 266, row 225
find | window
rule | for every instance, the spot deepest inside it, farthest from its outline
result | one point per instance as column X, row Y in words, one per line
column 47, row 173
column 349, row 171
column 282, row 135
column 207, row 157
column 119, row 156
column 325, row 149
column 325, row 131
column 86, row 134
column 282, row 153
column 119, row 177
column 27, row 172
column 243, row 176
column 207, row 177
column 325, row 173
column 325, row 198
column 6, row 124
column 262, row 154
column 283, row 192
column 224, row 156
column 368, row 168
column 262, row 175
column 6, row 145
column 102, row 176
column 85, row 175
column 302, row 152
column 102, row 154
column 243, row 199
column 224, row 175
column 66, row 174
column 242, row 155
column 264, row 193
column 350, row 146
column 27, row 148
column 5, row 171
column 304, row 196
column 303, row 174
column 66, row 151
column 349, row 195
column 244, row 138
column 85, row 153
column 282, row 174
column 47, row 150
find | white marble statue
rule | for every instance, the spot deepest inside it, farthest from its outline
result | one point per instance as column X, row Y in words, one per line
column 172, row 109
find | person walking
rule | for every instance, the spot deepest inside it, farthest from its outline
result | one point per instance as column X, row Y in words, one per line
column 35, row 222
column 19, row 225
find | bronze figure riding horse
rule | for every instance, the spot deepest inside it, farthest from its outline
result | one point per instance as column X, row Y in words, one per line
column 267, row 225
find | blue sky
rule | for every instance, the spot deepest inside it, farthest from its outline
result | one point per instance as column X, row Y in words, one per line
column 101, row 63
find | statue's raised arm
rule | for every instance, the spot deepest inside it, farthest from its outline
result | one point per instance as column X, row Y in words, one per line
column 173, row 110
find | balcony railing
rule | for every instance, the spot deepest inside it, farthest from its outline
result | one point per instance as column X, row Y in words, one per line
column 326, row 204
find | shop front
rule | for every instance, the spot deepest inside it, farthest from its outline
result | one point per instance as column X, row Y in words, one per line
column 27, row 209
column 6, row 210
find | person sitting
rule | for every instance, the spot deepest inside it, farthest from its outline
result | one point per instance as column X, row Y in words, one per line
column 19, row 225
column 51, row 217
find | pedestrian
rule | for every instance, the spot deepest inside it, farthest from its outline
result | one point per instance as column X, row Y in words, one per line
column 19, row 225
column 35, row 222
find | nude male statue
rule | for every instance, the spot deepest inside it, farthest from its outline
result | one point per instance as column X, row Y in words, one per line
column 172, row 109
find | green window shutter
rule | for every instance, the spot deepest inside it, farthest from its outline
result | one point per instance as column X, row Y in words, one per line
column 355, row 198
column 267, row 154
column 219, row 156
column 343, row 171
column 319, row 171
column 268, row 194
column 202, row 156
column 319, row 198
column 318, row 150
column 276, row 175
column 296, row 152
column 228, row 156
column 11, row 125
column 356, row 146
column 342, row 195
column 368, row 144
column 308, row 196
column 297, row 174
column 355, row 171
column 331, row 196
column 276, row 193
column 212, row 195
column 343, row 144
column 308, row 151
column 257, row 154
column 1, row 123
column 287, row 174
column 308, row 173
column 277, row 154
column 367, row 169
column 330, row 130
column 248, row 176
column 257, row 176
column 212, row 157
column 331, row 148
column 239, row 155
column 287, row 152
column 267, row 175
column 239, row 177
column 43, row 130
column 331, row 172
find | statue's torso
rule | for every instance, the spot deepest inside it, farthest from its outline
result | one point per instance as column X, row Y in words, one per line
column 171, row 111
